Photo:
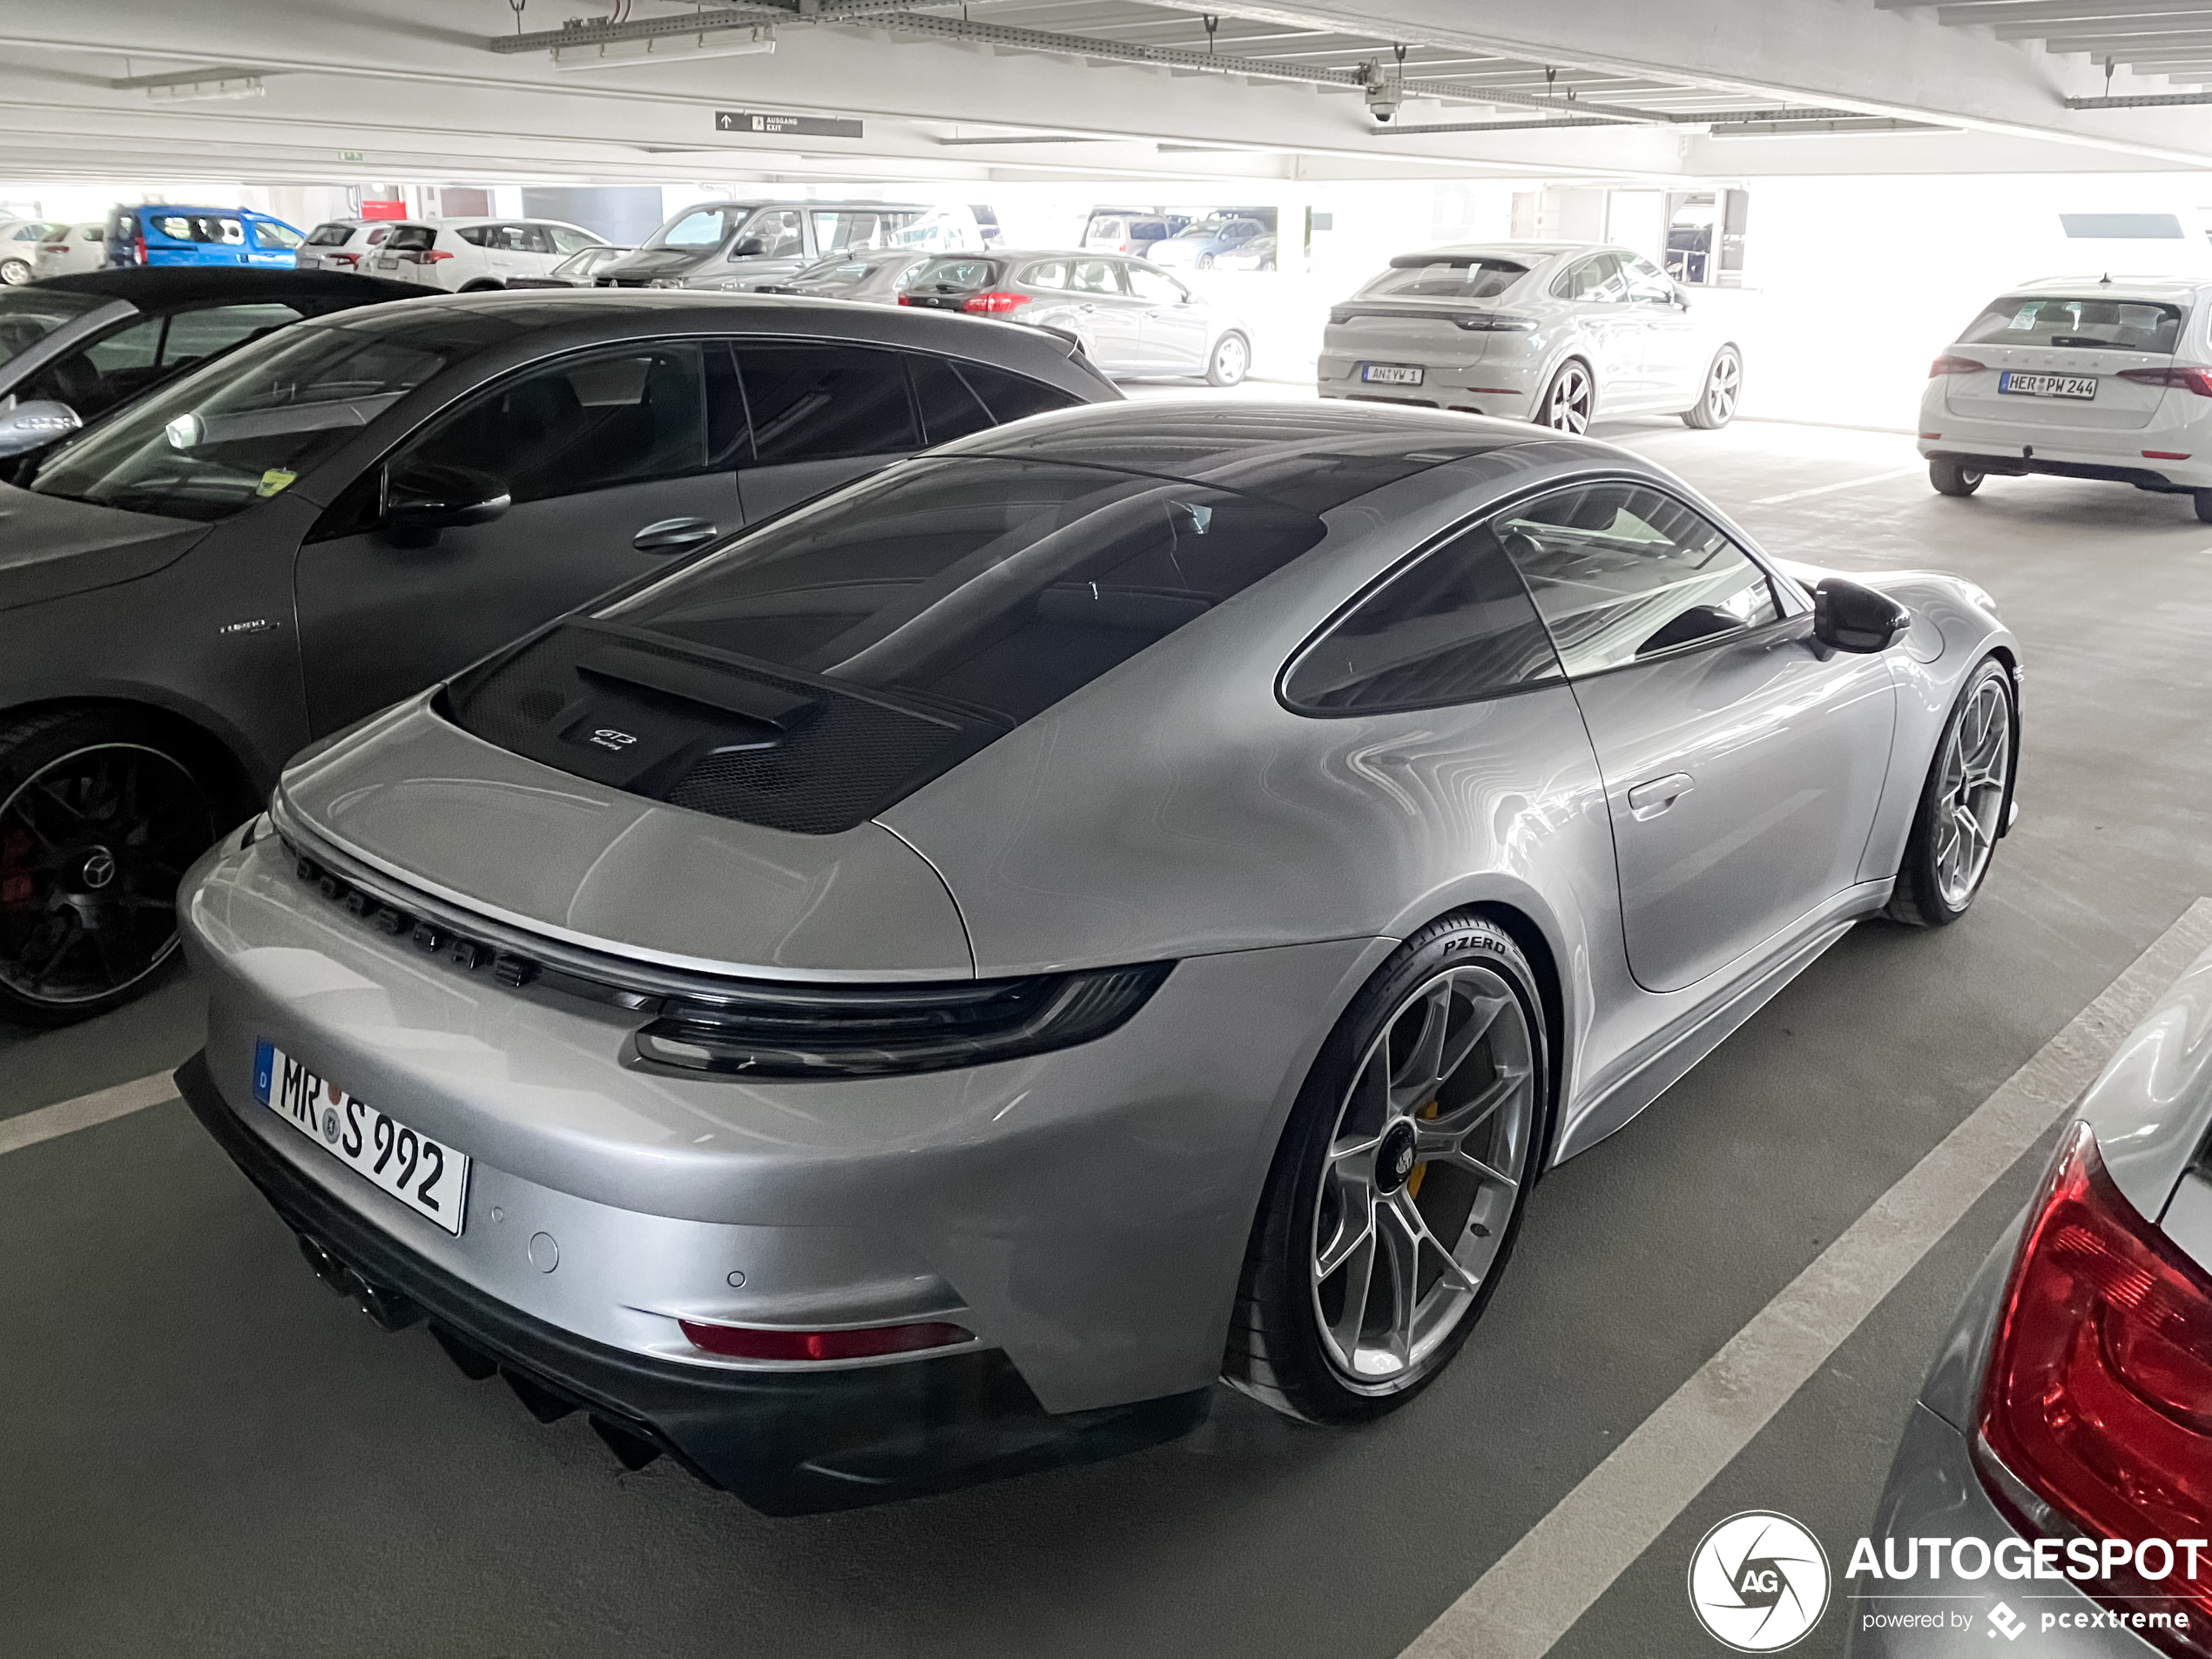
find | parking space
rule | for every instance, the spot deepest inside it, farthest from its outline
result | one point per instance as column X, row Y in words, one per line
column 207, row 1452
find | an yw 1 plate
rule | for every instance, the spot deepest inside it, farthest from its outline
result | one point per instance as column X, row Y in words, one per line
column 1391, row 375
column 429, row 1178
column 2020, row 385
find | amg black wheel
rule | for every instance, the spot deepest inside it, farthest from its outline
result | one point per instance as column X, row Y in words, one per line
column 100, row 813
column 1964, row 805
column 1399, row 1187
column 1952, row 479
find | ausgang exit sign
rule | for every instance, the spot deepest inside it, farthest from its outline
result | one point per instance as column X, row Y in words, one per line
column 797, row 126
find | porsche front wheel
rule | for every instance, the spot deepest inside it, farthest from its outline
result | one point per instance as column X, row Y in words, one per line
column 1400, row 1183
column 1964, row 805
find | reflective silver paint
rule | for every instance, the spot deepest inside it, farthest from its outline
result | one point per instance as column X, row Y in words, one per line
column 1087, row 1209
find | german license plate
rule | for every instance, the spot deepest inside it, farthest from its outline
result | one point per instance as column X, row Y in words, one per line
column 2020, row 385
column 1391, row 375
column 428, row 1178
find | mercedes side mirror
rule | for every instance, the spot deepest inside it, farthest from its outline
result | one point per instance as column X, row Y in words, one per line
column 1851, row 616
column 423, row 499
column 34, row 425
column 750, row 247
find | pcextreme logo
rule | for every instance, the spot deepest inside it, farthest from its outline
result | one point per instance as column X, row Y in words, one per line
column 1758, row 1582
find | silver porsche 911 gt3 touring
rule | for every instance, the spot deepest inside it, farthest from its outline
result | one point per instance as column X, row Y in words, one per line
column 1126, row 900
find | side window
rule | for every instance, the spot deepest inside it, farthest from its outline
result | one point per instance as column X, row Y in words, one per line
column 1621, row 573
column 834, row 233
column 1648, row 285
column 136, row 347
column 1052, row 273
column 566, row 240
column 1455, row 626
column 1155, row 286
column 1010, row 396
column 948, row 408
column 1595, row 280
column 269, row 234
column 195, row 335
column 229, row 231
column 474, row 235
column 777, row 232
column 813, row 402
column 536, row 238
column 582, row 423
column 176, row 226
column 1094, row 276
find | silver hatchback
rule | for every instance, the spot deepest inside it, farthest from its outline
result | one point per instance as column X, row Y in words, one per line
column 1133, row 318
column 1558, row 333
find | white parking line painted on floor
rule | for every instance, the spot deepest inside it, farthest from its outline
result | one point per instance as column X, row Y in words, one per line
column 1830, row 490
column 1532, row 1595
column 28, row 1129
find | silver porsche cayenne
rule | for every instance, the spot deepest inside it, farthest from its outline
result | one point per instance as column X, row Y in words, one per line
column 1131, row 899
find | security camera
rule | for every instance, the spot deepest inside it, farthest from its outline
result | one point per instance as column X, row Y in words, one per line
column 1384, row 91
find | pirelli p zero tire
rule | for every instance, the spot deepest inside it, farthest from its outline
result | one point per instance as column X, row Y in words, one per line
column 1399, row 1186
column 1952, row 479
column 101, row 811
column 1964, row 804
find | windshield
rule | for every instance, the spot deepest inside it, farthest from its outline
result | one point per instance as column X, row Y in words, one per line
column 1418, row 278
column 2079, row 324
column 701, row 228
column 28, row 314
column 243, row 428
column 334, row 234
column 1206, row 228
column 987, row 584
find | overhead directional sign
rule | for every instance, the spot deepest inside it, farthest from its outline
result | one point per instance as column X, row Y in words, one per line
column 797, row 126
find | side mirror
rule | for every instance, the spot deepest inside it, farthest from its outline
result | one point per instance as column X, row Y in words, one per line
column 34, row 425
column 1851, row 616
column 750, row 247
column 422, row 498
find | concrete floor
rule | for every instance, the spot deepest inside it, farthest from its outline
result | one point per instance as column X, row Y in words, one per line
column 204, row 1452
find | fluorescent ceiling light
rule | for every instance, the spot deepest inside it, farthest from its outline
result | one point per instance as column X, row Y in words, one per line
column 626, row 55
column 207, row 91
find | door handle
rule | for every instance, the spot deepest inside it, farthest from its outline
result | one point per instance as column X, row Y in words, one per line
column 674, row 535
column 1647, row 800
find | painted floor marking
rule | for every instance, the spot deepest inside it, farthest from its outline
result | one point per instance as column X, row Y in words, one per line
column 29, row 1129
column 1533, row 1595
column 1848, row 483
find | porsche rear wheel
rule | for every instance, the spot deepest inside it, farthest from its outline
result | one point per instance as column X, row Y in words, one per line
column 1399, row 1186
column 1716, row 405
column 1964, row 805
column 1567, row 403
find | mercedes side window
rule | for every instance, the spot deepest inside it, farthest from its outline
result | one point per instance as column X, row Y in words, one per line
column 1623, row 573
column 818, row 402
column 582, row 423
column 949, row 410
column 1455, row 626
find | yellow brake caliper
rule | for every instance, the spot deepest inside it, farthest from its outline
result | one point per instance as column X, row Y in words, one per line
column 1413, row 1181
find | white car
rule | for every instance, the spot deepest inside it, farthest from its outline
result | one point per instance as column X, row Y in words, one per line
column 344, row 244
column 1558, row 333
column 464, row 255
column 19, row 240
column 70, row 248
column 2078, row 377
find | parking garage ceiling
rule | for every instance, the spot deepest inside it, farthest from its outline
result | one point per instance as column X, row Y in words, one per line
column 1132, row 89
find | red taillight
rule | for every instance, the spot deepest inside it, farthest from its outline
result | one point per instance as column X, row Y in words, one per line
column 343, row 258
column 995, row 303
column 1955, row 365
column 2098, row 1398
column 139, row 248
column 749, row 1342
column 2198, row 380
column 426, row 255
column 1928, row 436
column 2164, row 454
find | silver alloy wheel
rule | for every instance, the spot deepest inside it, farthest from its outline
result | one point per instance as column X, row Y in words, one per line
column 1977, row 765
column 14, row 272
column 1723, row 386
column 1567, row 406
column 1426, row 1158
column 1231, row 360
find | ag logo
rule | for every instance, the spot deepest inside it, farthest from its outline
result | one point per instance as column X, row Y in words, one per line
column 1758, row 1582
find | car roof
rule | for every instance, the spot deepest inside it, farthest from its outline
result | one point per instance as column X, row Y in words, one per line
column 2104, row 285
column 167, row 285
column 786, row 201
column 527, row 324
column 1196, row 441
column 1511, row 250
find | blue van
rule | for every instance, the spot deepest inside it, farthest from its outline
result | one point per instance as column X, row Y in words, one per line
column 162, row 234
